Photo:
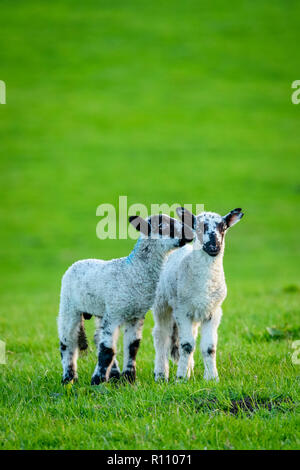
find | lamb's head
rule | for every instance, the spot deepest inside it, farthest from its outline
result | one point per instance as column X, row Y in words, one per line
column 210, row 228
column 166, row 232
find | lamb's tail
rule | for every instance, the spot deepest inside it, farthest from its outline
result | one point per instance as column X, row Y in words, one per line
column 174, row 343
column 82, row 338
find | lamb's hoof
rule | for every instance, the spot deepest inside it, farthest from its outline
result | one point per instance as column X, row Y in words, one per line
column 114, row 375
column 129, row 376
column 160, row 378
column 211, row 378
column 69, row 380
column 83, row 347
column 181, row 380
column 98, row 379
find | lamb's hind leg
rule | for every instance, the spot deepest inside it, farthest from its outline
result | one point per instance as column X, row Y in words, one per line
column 106, row 352
column 68, row 329
column 82, row 338
column 114, row 371
column 132, row 339
column 209, row 340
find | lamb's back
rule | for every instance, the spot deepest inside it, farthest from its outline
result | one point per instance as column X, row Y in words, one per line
column 89, row 284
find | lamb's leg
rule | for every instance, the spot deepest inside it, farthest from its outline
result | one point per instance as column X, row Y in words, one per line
column 132, row 339
column 106, row 352
column 162, row 340
column 209, row 340
column 191, row 362
column 82, row 338
column 68, row 329
column 114, row 371
column 187, row 345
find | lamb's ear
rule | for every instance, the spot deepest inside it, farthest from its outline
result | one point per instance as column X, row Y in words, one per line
column 140, row 224
column 186, row 217
column 233, row 217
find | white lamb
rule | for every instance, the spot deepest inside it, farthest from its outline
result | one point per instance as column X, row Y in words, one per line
column 190, row 292
column 119, row 291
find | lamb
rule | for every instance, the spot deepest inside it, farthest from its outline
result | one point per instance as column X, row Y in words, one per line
column 119, row 291
column 190, row 292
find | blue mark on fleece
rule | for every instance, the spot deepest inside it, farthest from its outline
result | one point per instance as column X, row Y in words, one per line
column 131, row 256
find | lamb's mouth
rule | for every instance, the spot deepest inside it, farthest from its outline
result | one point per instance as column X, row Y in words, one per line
column 211, row 252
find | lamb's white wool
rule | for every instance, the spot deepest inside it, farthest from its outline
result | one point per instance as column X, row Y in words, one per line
column 119, row 291
column 190, row 293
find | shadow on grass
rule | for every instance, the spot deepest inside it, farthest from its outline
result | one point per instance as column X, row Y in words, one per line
column 247, row 405
column 273, row 333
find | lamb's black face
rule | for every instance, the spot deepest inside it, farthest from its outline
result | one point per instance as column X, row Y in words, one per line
column 170, row 232
column 210, row 230
column 209, row 227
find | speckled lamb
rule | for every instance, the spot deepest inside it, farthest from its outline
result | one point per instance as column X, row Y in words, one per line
column 118, row 291
column 190, row 292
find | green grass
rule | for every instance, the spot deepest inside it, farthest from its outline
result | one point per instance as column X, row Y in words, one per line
column 162, row 102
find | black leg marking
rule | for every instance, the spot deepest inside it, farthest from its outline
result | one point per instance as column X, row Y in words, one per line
column 187, row 347
column 211, row 350
column 70, row 375
column 105, row 358
column 133, row 349
column 82, row 339
column 62, row 348
column 114, row 372
column 115, row 375
column 130, row 373
column 96, row 380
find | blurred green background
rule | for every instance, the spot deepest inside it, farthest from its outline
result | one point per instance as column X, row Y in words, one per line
column 168, row 101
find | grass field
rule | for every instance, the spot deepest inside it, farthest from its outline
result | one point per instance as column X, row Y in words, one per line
column 163, row 102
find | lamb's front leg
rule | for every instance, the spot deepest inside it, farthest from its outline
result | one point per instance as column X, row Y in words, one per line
column 132, row 339
column 162, row 340
column 187, row 345
column 106, row 352
column 209, row 341
column 195, row 334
